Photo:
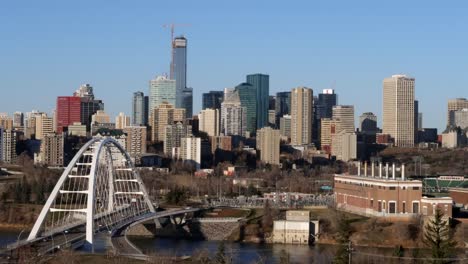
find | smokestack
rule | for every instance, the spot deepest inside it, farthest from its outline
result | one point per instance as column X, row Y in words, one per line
column 359, row 169
column 380, row 169
column 393, row 170
column 373, row 170
column 403, row 172
column 386, row 170
column 365, row 169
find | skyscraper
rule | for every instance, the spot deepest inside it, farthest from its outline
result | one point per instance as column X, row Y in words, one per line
column 452, row 106
column 191, row 151
column 89, row 105
column 213, row 100
column 344, row 114
column 301, row 116
column 164, row 114
column 187, row 101
column 44, row 126
column 135, row 143
column 326, row 100
column 247, row 95
column 18, row 119
column 161, row 90
column 398, row 109
column 268, row 142
column 283, row 104
column 68, row 112
column 122, row 121
column 368, row 123
column 138, row 109
column 261, row 84
column 233, row 115
column 179, row 74
column 52, row 150
column 209, row 120
column 173, row 136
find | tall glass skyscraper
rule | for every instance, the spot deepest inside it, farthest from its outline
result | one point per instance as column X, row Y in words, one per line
column 212, row 100
column 247, row 96
column 187, row 101
column 179, row 73
column 326, row 100
column 283, row 104
column 261, row 84
column 138, row 109
column 161, row 90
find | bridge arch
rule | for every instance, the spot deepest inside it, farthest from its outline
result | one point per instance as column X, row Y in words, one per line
column 98, row 190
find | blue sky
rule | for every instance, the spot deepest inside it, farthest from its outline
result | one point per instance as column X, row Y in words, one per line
column 48, row 48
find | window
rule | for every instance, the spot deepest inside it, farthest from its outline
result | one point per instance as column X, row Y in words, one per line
column 392, row 188
column 372, row 203
column 415, row 208
column 415, row 188
column 403, row 208
column 392, row 207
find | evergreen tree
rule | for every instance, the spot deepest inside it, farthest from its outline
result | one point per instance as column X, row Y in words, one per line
column 438, row 237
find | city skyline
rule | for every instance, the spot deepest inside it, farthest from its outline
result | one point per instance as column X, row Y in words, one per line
column 117, row 69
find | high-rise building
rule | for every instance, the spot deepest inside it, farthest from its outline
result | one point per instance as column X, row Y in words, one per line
column 77, row 129
column 122, row 121
column 147, row 111
column 212, row 99
column 190, row 151
column 461, row 118
column 135, row 143
column 187, row 101
column 345, row 115
column 452, row 106
column 44, row 126
column 233, row 115
column 398, row 109
column 272, row 118
column 68, row 112
column 84, row 91
column 368, row 123
column 173, row 136
column 285, row 126
column 10, row 140
column 302, row 113
column 51, row 153
column 179, row 66
column 416, row 113
column 221, row 142
column 30, row 123
column 164, row 114
column 283, row 104
column 138, row 109
column 6, row 122
column 100, row 117
column 209, row 121
column 268, row 142
column 328, row 128
column 325, row 103
column 247, row 95
column 89, row 105
column 420, row 121
column 18, row 118
column 161, row 90
column 344, row 146
column 261, row 84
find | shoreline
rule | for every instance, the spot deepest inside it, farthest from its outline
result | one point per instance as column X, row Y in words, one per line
column 15, row 227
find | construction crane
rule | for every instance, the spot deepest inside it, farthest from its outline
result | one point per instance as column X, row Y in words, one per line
column 172, row 26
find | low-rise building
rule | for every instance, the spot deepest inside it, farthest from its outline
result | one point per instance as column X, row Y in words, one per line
column 296, row 229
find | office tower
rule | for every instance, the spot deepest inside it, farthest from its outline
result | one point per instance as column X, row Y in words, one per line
column 345, row 115
column 122, row 121
column 179, row 67
column 138, row 109
column 302, row 113
column 212, row 99
column 173, row 136
column 18, row 118
column 285, row 126
column 452, row 106
column 272, row 118
column 51, row 153
column 247, row 96
column 344, row 146
column 6, row 122
column 209, row 121
column 164, row 114
column 187, row 102
column 77, row 129
column 271, row 102
column 68, row 112
column 161, row 90
column 368, row 123
column 420, row 121
column 325, row 103
column 190, row 151
column 135, row 143
column 89, row 105
column 328, row 127
column 10, row 140
column 30, row 123
column 221, row 143
column 461, row 118
column 268, row 142
column 100, row 117
column 147, row 110
column 398, row 109
column 283, row 104
column 233, row 115
column 261, row 84
column 44, row 126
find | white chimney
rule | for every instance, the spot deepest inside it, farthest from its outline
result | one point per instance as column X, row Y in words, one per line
column 365, row 169
column 359, row 169
column 403, row 172
column 380, row 169
column 373, row 173
column 393, row 170
column 386, row 170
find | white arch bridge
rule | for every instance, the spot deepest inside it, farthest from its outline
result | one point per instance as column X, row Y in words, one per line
column 99, row 190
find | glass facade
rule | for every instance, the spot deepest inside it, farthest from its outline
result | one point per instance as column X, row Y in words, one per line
column 247, row 96
column 138, row 109
column 179, row 68
column 261, row 84
column 283, row 104
column 161, row 90
column 212, row 100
